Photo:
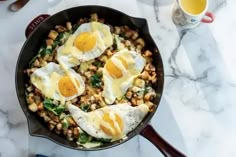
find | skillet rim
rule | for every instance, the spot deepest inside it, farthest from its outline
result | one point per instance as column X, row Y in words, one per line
column 133, row 133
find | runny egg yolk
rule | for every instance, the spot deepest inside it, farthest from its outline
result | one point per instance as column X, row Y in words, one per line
column 85, row 41
column 113, row 70
column 67, row 87
column 112, row 124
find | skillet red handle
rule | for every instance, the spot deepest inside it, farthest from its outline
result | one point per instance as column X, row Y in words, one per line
column 34, row 23
column 164, row 147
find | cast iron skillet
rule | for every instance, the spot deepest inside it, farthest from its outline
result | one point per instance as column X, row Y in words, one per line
column 41, row 25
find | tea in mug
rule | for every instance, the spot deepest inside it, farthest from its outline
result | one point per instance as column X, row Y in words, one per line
column 194, row 7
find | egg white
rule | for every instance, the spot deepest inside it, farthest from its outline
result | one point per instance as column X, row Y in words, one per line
column 46, row 80
column 71, row 56
column 90, row 122
column 116, row 88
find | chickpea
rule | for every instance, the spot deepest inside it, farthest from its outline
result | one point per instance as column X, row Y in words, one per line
column 128, row 34
column 135, row 35
column 109, row 53
column 139, row 82
column 65, row 131
column 55, row 119
column 140, row 41
column 74, row 100
column 40, row 106
column 57, row 131
column 153, row 78
column 145, row 75
column 93, row 107
column 29, row 89
column 134, row 102
column 71, row 121
column 117, row 30
column 93, row 68
column 149, row 104
column 149, row 96
column 37, row 91
column 129, row 95
column 76, row 132
column 50, row 58
column 127, row 43
column 68, row 25
column 59, row 126
column 69, row 133
column 139, row 102
column 30, row 100
column 51, row 126
column 139, row 48
column 60, row 28
column 149, row 67
column 52, row 122
column 36, row 63
column 147, row 53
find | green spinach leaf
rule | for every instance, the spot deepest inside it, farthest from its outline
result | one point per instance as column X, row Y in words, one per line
column 95, row 81
column 83, row 138
column 43, row 52
column 105, row 140
column 57, row 110
column 74, row 27
column 84, row 107
column 97, row 64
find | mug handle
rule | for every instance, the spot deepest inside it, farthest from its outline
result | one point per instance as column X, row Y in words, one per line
column 164, row 147
column 210, row 19
column 34, row 23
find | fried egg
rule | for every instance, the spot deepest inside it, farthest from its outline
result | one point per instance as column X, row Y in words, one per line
column 89, row 41
column 57, row 83
column 119, row 73
column 111, row 122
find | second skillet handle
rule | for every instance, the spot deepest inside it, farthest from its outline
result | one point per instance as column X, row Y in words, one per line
column 34, row 23
column 165, row 148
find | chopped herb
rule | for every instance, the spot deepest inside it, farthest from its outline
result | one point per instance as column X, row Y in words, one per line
column 84, row 107
column 59, row 37
column 97, row 64
column 115, row 45
column 124, row 97
column 123, row 35
column 47, row 103
column 62, row 116
column 32, row 60
column 105, row 140
column 57, row 110
column 65, row 123
column 95, row 81
column 45, row 51
column 83, row 138
column 55, row 43
column 146, row 89
column 74, row 27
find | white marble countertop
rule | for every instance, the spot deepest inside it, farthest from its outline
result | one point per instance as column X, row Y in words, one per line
column 198, row 109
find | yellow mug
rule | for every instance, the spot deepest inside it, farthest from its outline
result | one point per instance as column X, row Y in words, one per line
column 190, row 13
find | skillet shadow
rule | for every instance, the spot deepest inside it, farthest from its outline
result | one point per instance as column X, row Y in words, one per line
column 208, row 67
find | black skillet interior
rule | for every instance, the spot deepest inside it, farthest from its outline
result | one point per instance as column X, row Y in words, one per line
column 31, row 47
